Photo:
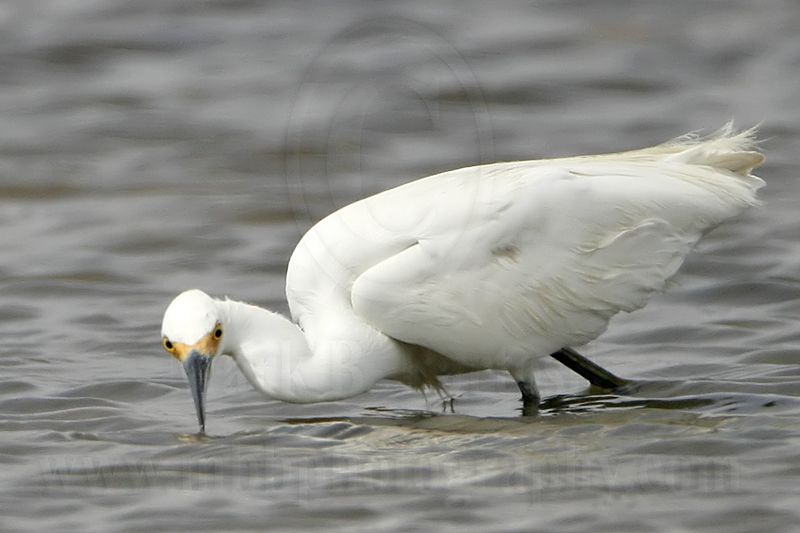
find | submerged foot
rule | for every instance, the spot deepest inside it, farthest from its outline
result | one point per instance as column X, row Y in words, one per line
column 530, row 408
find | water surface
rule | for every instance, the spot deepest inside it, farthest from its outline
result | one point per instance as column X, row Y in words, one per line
column 154, row 146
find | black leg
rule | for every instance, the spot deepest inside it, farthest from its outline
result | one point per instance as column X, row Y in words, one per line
column 529, row 393
column 595, row 374
column 448, row 403
column 530, row 398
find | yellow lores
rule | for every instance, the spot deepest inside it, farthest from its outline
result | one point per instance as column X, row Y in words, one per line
column 208, row 345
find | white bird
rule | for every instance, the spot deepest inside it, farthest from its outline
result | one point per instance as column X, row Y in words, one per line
column 486, row 267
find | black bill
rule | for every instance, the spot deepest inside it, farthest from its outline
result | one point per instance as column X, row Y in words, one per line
column 198, row 369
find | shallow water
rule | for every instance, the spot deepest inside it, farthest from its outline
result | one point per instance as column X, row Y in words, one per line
column 154, row 146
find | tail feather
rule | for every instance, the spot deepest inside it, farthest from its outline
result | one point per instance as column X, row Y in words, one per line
column 742, row 163
column 725, row 149
column 716, row 158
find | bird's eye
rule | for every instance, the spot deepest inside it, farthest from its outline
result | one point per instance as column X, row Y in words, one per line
column 168, row 346
column 218, row 333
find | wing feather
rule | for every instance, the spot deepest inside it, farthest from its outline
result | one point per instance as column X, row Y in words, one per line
column 546, row 258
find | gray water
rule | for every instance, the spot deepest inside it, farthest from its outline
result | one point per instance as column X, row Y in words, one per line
column 152, row 146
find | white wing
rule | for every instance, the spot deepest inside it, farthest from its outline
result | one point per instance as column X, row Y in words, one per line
column 548, row 265
column 496, row 264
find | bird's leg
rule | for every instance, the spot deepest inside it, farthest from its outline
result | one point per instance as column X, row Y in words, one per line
column 527, row 386
column 447, row 399
column 530, row 394
column 448, row 403
column 595, row 374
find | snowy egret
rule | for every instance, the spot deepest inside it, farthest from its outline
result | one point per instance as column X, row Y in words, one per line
column 486, row 267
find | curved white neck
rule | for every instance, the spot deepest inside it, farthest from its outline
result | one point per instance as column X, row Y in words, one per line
column 275, row 355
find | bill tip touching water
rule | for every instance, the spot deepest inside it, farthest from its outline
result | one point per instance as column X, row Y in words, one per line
column 487, row 267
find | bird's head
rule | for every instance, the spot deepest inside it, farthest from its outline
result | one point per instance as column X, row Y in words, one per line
column 193, row 332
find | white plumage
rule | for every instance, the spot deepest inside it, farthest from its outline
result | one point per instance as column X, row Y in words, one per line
column 487, row 267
